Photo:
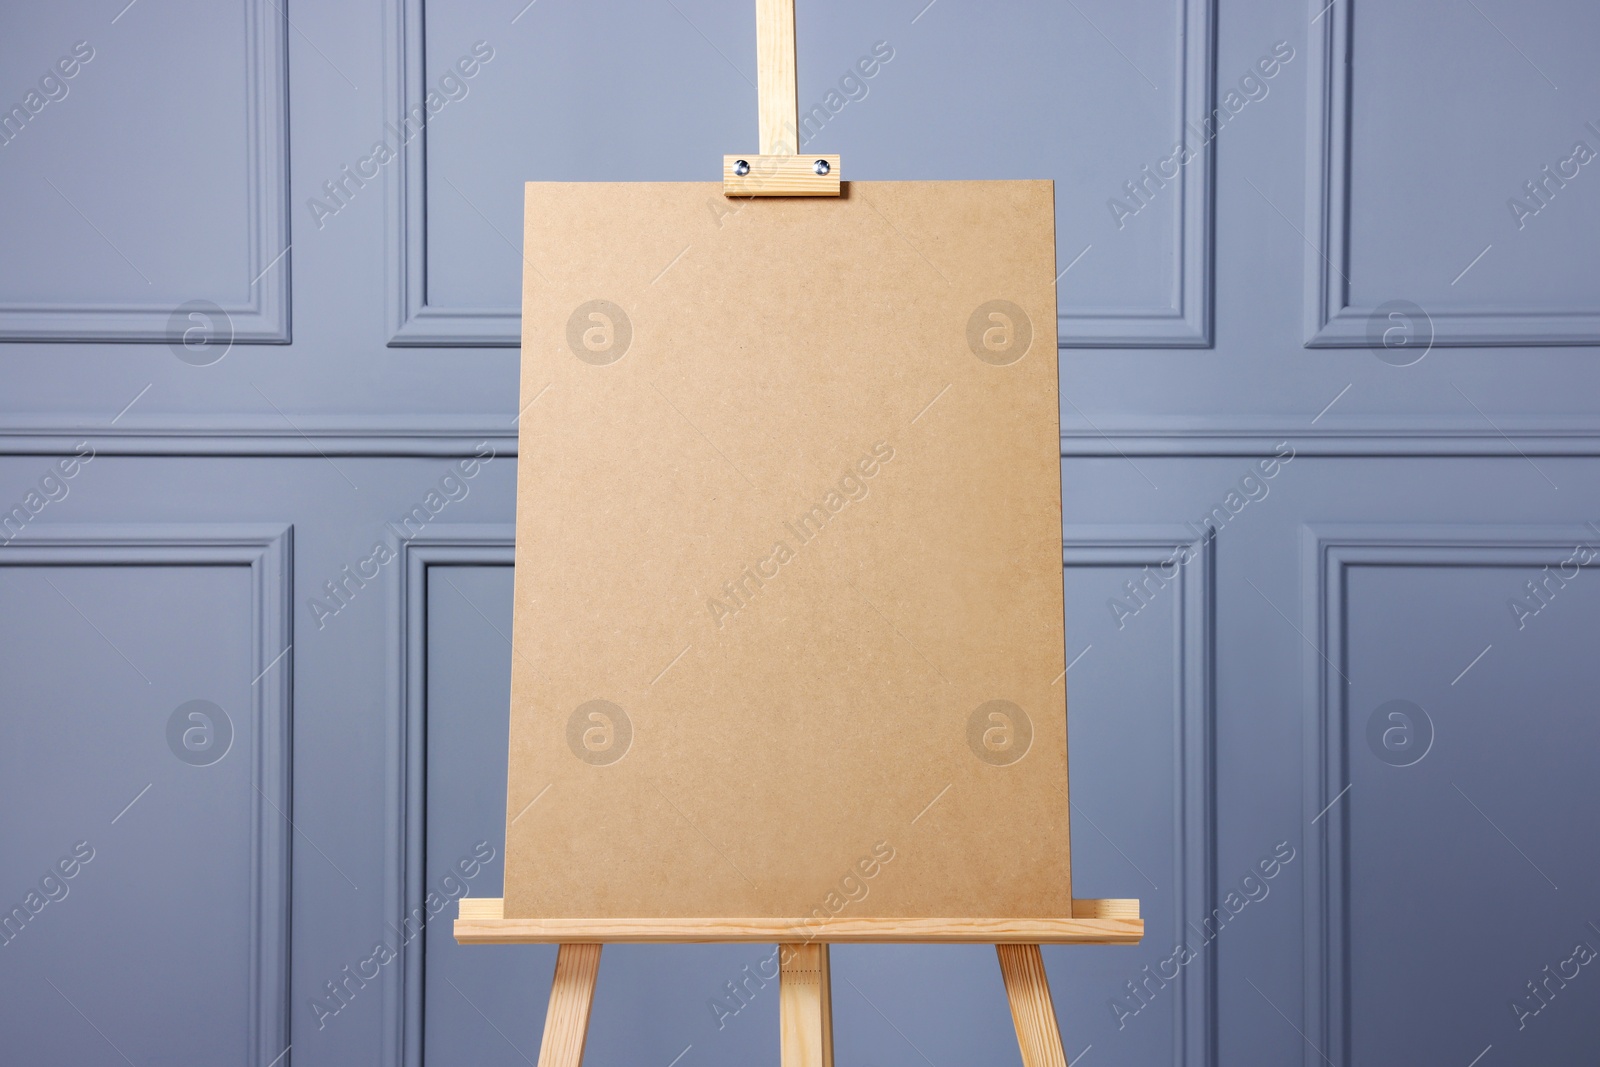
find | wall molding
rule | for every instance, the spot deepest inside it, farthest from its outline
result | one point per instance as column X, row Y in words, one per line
column 221, row 436
column 384, row 436
column 1193, row 727
column 412, row 320
column 1327, row 553
column 268, row 552
column 264, row 317
column 406, row 758
column 1185, row 322
column 1362, row 436
column 1330, row 321
column 1083, row 546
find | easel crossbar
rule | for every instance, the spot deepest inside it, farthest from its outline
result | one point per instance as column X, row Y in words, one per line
column 1093, row 922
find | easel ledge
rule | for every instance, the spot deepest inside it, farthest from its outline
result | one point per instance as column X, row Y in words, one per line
column 804, row 995
column 481, row 921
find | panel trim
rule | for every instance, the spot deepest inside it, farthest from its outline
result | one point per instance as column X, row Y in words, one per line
column 1329, row 319
column 1083, row 546
column 412, row 320
column 1328, row 552
column 1213, row 437
column 1194, row 753
column 264, row 317
column 390, row 437
column 268, row 551
column 350, row 435
column 406, row 758
column 1185, row 322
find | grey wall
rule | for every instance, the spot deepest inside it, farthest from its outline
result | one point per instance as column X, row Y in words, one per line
column 1340, row 274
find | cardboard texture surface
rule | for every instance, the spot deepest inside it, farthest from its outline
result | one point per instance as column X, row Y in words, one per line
column 788, row 623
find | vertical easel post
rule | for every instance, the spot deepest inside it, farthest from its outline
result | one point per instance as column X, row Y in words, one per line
column 566, row 1023
column 779, row 101
column 779, row 169
column 1033, row 1014
column 805, row 1006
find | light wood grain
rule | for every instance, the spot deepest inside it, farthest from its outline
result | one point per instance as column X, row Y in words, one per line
column 805, row 1006
column 1105, row 909
column 780, row 176
column 566, row 1023
column 480, row 922
column 775, row 78
column 490, row 907
column 1028, row 990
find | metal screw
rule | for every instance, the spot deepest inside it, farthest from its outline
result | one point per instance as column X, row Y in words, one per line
column 741, row 167
column 821, row 166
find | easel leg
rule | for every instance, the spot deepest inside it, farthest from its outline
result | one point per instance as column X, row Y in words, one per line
column 566, row 1023
column 1028, row 989
column 805, row 1006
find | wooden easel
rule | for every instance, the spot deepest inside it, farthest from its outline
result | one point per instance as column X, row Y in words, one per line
column 804, row 998
column 805, row 1005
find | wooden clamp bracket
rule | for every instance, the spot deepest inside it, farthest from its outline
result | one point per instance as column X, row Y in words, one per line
column 779, row 169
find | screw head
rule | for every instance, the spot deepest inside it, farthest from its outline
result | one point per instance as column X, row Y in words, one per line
column 821, row 166
column 741, row 167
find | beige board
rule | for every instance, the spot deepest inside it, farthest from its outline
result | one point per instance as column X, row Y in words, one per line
column 788, row 605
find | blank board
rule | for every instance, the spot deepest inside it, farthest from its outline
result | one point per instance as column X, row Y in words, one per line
column 788, row 621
